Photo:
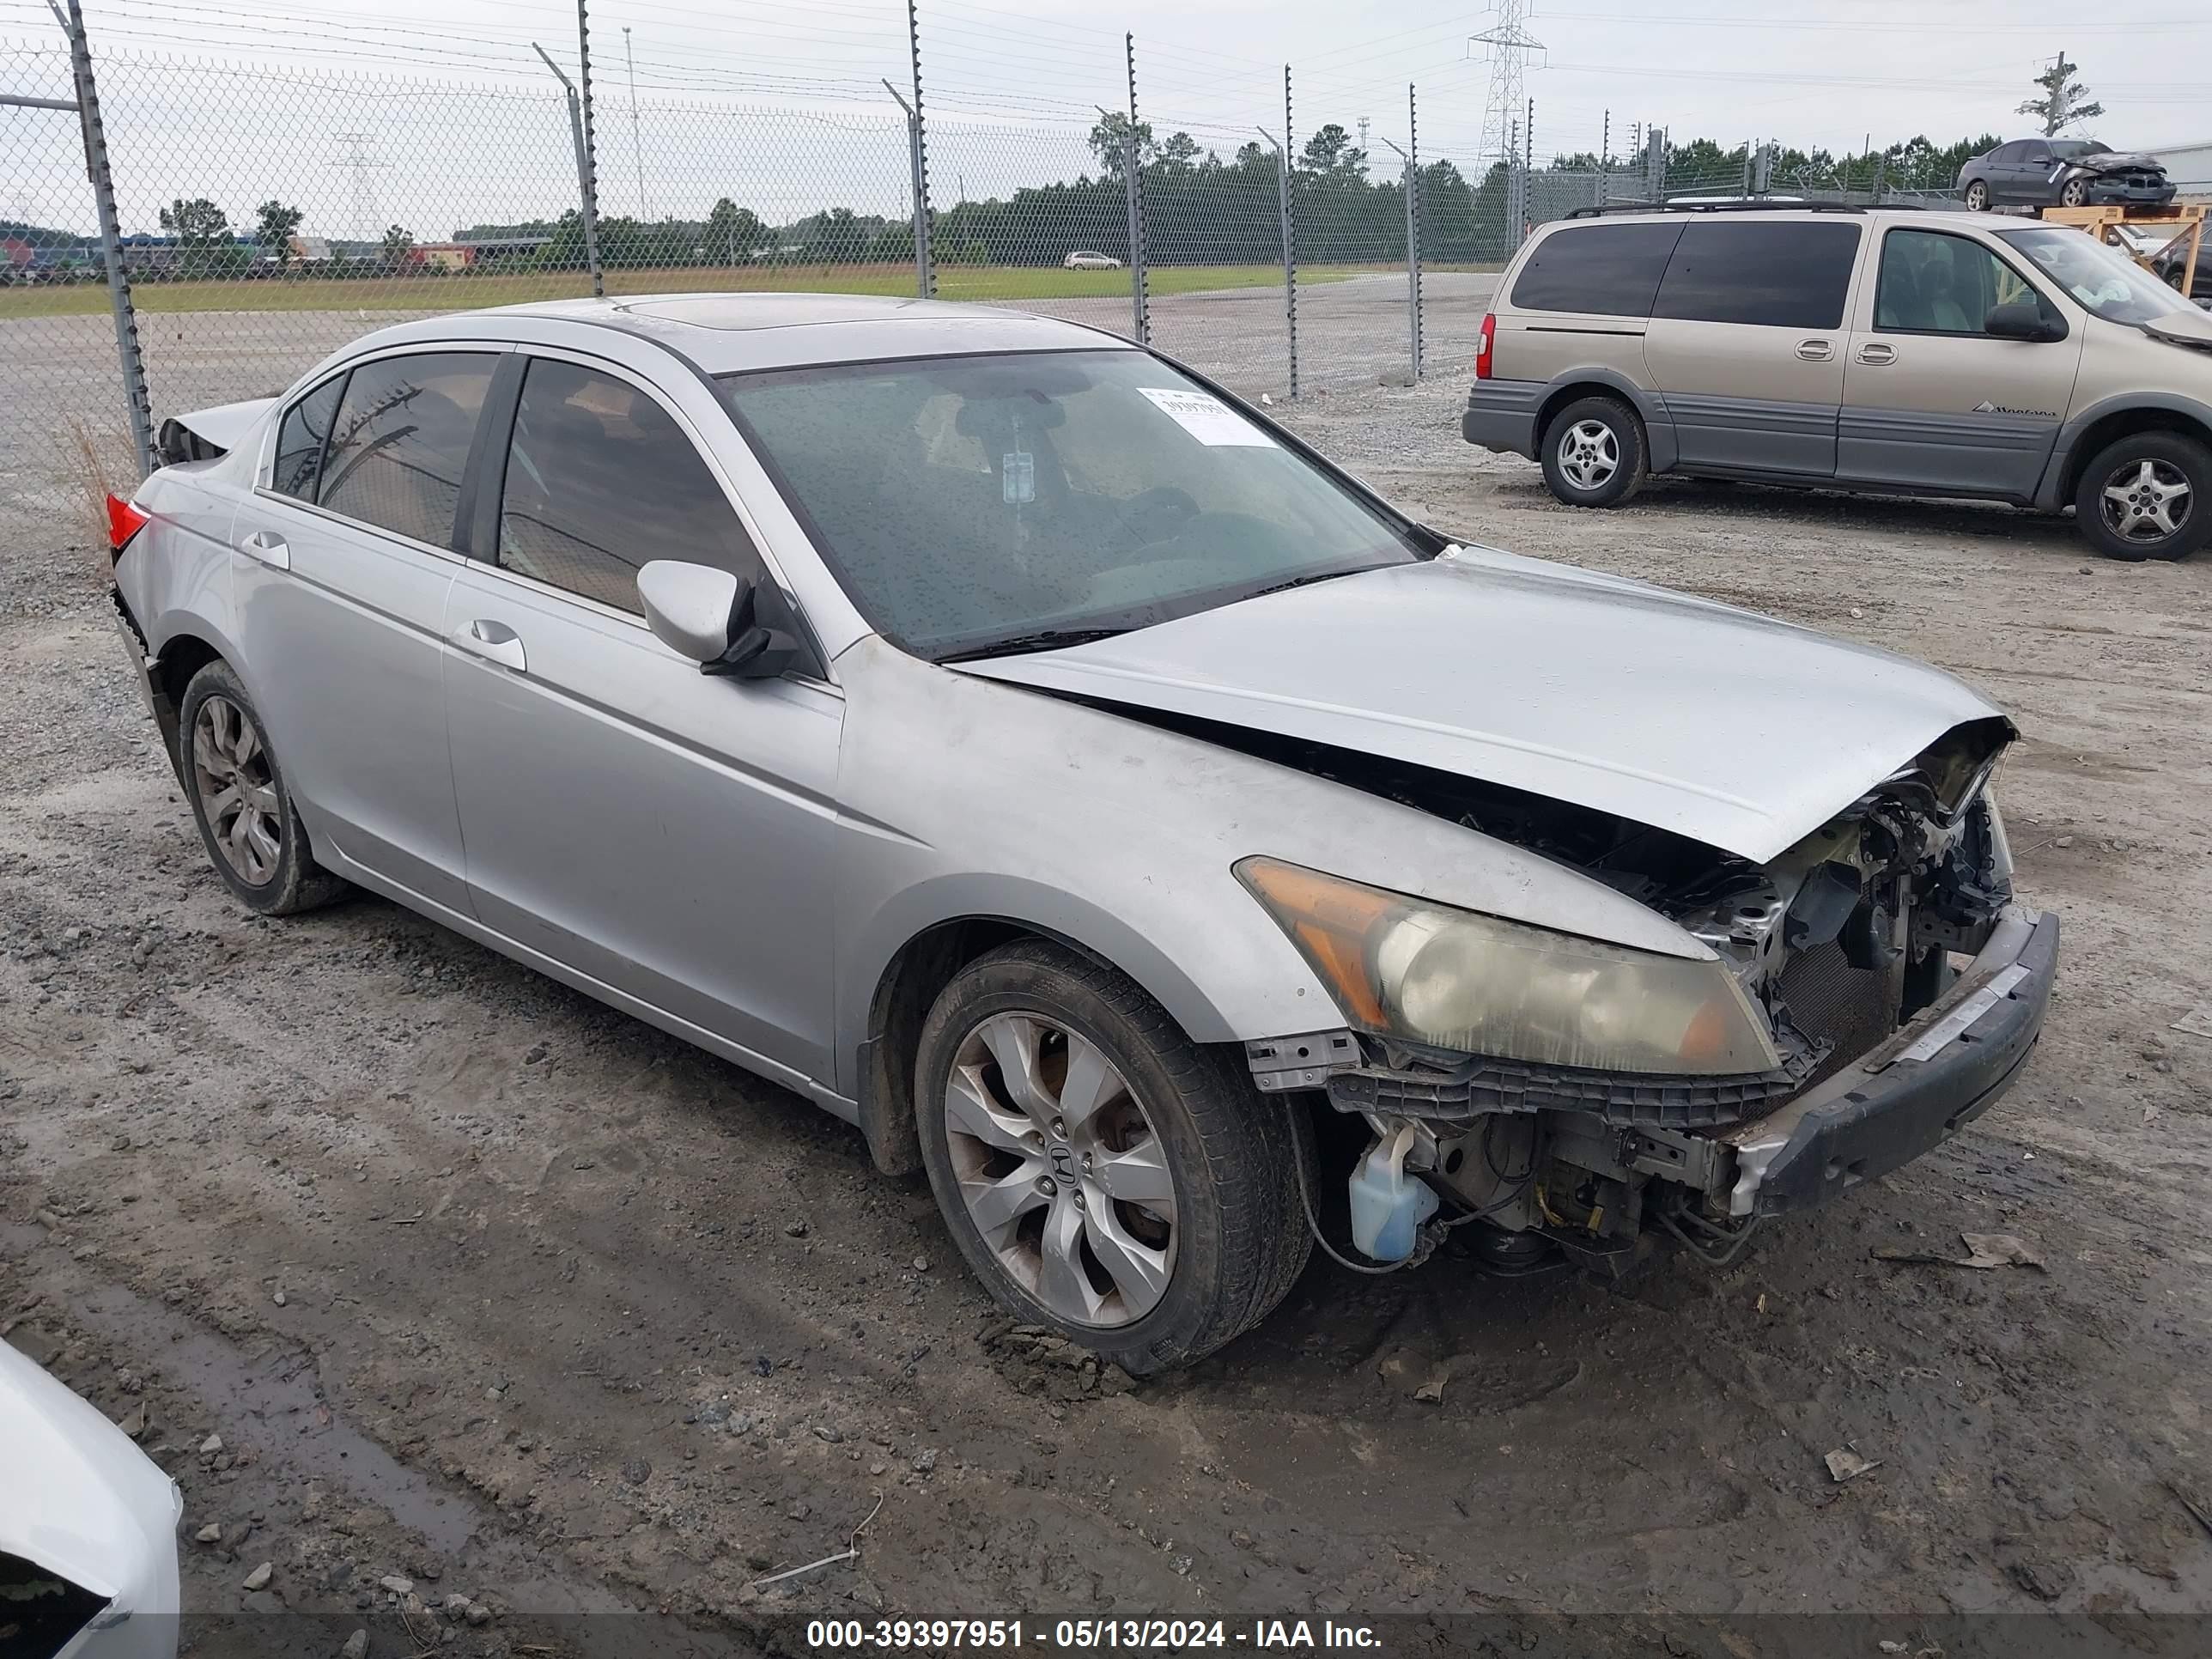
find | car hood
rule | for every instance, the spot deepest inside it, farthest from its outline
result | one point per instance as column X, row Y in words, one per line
column 1731, row 728
column 80, row 1499
column 2131, row 161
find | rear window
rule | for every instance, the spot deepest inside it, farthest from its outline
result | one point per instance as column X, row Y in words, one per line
column 300, row 441
column 401, row 442
column 1795, row 275
column 1613, row 270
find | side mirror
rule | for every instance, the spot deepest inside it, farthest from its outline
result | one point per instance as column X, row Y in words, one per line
column 2022, row 319
column 690, row 607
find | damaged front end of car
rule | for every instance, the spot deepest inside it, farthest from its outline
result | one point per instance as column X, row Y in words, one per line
column 1850, row 1003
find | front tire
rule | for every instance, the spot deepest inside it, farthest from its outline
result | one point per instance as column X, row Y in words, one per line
column 1978, row 196
column 1594, row 453
column 2073, row 193
column 1103, row 1175
column 2146, row 496
column 248, row 820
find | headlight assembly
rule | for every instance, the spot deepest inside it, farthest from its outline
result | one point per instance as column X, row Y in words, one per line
column 1404, row 967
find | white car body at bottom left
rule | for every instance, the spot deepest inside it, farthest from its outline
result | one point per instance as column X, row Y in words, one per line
column 82, row 1509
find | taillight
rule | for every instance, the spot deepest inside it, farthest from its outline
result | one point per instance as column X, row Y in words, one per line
column 1482, row 351
column 123, row 522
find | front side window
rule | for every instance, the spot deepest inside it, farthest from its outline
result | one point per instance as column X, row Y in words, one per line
column 1932, row 284
column 1612, row 271
column 1791, row 274
column 300, row 440
column 972, row 505
column 601, row 480
column 2097, row 277
column 401, row 442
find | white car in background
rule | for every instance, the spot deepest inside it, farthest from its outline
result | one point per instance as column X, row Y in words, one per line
column 88, row 1529
column 1082, row 260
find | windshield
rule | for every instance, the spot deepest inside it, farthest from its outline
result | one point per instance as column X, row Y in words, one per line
column 2095, row 277
column 1021, row 501
column 2066, row 149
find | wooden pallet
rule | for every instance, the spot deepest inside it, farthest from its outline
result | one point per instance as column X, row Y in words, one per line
column 2186, row 217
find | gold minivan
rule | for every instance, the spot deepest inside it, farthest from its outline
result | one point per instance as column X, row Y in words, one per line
column 1884, row 349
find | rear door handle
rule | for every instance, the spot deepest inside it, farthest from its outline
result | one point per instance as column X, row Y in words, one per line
column 494, row 642
column 1815, row 351
column 269, row 547
column 1875, row 352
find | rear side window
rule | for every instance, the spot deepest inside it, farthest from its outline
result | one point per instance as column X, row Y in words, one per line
column 300, row 441
column 401, row 442
column 1611, row 270
column 601, row 480
column 1795, row 275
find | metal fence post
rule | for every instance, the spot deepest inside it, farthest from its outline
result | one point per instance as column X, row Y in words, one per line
column 1413, row 260
column 589, row 165
column 1139, row 307
column 137, row 399
column 1290, row 238
column 586, row 198
column 925, row 258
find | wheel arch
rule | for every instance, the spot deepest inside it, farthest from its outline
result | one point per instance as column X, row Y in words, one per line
column 897, row 998
column 1599, row 382
column 183, row 652
column 2090, row 432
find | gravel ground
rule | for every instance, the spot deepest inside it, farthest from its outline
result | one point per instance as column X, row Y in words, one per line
column 488, row 1289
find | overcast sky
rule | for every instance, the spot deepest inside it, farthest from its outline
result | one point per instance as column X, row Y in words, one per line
column 1831, row 73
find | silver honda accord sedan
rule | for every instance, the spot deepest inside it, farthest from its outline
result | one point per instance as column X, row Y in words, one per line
column 998, row 734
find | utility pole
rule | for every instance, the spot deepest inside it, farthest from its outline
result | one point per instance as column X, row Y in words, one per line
column 1604, row 157
column 1510, row 47
column 636, row 136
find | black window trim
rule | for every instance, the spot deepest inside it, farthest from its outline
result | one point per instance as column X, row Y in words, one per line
column 265, row 479
column 484, row 488
column 1881, row 250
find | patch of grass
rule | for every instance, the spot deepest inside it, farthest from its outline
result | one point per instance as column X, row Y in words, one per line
column 455, row 292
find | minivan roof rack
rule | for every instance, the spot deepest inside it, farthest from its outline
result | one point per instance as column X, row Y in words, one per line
column 1748, row 205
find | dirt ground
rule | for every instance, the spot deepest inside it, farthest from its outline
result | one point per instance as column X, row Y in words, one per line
column 483, row 1286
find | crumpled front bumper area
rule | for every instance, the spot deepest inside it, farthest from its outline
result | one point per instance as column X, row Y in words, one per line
column 1941, row 1072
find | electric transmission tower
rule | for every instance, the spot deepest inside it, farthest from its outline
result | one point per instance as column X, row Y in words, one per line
column 357, row 161
column 1510, row 47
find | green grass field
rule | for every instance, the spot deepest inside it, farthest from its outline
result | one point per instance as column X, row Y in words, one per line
column 453, row 291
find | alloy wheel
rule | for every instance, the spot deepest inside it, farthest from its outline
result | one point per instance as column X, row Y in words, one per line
column 1589, row 454
column 2145, row 501
column 237, row 791
column 1060, row 1170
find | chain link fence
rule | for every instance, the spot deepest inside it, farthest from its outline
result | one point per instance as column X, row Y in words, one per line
column 265, row 215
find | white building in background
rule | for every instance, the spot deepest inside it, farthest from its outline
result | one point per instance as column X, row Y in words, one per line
column 2190, row 167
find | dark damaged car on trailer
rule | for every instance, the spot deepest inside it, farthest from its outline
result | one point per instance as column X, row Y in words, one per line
column 1019, row 747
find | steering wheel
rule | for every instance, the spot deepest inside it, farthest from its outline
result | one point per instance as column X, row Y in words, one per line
column 1143, row 512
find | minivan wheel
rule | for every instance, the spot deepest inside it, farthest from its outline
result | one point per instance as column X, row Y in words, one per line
column 248, row 821
column 1978, row 196
column 1593, row 452
column 1102, row 1174
column 2145, row 497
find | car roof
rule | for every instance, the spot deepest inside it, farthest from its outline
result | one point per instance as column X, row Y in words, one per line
column 1722, row 208
column 730, row 333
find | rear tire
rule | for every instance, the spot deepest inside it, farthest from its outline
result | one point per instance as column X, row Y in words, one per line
column 1036, row 1165
column 1978, row 196
column 248, row 820
column 2137, row 485
column 1594, row 453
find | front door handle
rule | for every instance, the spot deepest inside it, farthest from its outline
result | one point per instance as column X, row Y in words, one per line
column 494, row 642
column 269, row 547
column 1815, row 351
column 1875, row 352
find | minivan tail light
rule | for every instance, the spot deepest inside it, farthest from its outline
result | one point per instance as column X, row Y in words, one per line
column 1482, row 351
column 123, row 522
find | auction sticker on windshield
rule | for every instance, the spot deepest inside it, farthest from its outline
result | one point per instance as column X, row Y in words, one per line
column 1207, row 419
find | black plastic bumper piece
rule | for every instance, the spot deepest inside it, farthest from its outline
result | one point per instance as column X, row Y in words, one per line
column 1885, row 1119
column 1479, row 1086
